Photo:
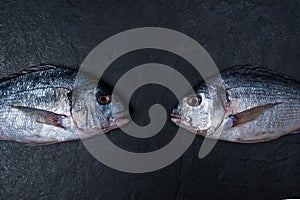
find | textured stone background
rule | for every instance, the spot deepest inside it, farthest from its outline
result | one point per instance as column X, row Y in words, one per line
column 264, row 32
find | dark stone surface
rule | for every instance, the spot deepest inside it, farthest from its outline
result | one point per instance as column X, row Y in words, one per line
column 63, row 33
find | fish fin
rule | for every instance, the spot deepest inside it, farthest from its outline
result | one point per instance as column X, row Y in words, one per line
column 295, row 131
column 263, row 71
column 230, row 122
column 34, row 144
column 251, row 114
column 28, row 70
column 43, row 116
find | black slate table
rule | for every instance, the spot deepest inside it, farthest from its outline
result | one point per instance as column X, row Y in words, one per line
column 263, row 32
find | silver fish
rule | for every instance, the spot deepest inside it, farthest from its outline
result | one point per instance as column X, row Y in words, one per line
column 256, row 105
column 39, row 106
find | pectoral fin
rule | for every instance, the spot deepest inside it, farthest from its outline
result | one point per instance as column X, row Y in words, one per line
column 43, row 116
column 250, row 115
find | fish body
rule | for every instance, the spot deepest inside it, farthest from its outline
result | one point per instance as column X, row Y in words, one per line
column 39, row 106
column 253, row 105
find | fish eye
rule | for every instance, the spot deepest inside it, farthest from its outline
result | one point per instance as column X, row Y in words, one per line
column 194, row 101
column 104, row 99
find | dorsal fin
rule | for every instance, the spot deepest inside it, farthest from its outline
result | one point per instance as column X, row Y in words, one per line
column 259, row 68
column 264, row 71
column 29, row 70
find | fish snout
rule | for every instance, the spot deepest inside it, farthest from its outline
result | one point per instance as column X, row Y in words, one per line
column 175, row 113
column 119, row 119
column 175, row 116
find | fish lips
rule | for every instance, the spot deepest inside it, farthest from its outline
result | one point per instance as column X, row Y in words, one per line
column 117, row 121
column 179, row 120
column 184, row 122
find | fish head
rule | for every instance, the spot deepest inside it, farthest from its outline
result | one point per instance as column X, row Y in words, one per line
column 201, row 112
column 96, row 111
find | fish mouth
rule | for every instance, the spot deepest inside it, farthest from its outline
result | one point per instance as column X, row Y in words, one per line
column 179, row 120
column 184, row 122
column 175, row 118
column 114, row 122
column 117, row 121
